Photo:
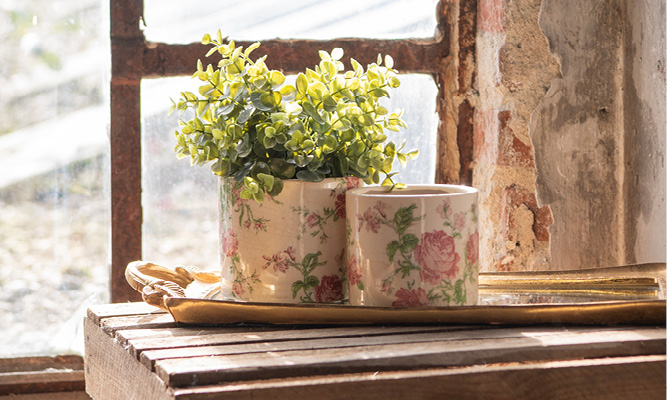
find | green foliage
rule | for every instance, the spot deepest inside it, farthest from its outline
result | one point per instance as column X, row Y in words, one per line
column 248, row 124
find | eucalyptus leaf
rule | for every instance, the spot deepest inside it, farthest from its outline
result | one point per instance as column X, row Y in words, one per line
column 282, row 168
column 309, row 176
column 245, row 115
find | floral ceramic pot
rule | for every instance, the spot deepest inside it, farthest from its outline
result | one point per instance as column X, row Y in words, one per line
column 288, row 249
column 412, row 247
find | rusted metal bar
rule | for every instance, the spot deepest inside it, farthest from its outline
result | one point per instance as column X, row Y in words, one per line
column 127, row 44
column 292, row 56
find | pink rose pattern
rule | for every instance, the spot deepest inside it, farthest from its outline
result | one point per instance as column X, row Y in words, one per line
column 280, row 261
column 473, row 247
column 237, row 288
column 330, row 289
column 437, row 256
column 339, row 206
column 353, row 271
column 312, row 220
column 229, row 243
column 410, row 298
column 434, row 255
column 373, row 218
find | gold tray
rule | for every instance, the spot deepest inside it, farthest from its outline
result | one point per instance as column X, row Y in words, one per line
column 632, row 294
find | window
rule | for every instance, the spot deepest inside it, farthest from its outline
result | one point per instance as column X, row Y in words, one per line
column 54, row 190
column 146, row 65
column 59, row 232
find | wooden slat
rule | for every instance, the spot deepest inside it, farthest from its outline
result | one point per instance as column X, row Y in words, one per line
column 248, row 335
column 33, row 364
column 293, row 56
column 173, row 351
column 41, row 374
column 41, row 381
column 217, row 369
column 608, row 378
column 326, row 339
column 148, row 321
column 126, row 335
column 98, row 312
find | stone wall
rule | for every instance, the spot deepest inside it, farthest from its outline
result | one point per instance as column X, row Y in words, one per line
column 569, row 133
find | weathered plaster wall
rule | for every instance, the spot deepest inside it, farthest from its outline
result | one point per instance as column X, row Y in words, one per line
column 569, row 133
column 593, row 129
column 644, row 125
column 515, row 68
column 578, row 133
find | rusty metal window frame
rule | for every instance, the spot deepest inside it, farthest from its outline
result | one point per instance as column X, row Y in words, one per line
column 134, row 59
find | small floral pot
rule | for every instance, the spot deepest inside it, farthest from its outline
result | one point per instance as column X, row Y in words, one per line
column 288, row 249
column 412, row 247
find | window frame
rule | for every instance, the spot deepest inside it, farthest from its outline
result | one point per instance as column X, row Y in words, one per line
column 134, row 59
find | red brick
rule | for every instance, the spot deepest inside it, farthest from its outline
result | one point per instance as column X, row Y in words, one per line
column 485, row 136
column 512, row 198
column 512, row 151
column 495, row 142
column 490, row 15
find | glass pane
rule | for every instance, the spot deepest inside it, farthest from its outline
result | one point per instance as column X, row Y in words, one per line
column 175, row 21
column 54, row 190
column 180, row 201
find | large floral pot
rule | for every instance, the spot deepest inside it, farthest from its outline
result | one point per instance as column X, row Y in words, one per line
column 413, row 247
column 288, row 249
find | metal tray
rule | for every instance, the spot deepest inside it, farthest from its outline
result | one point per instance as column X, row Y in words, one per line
column 632, row 294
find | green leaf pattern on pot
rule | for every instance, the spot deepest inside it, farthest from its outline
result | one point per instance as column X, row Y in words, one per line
column 427, row 266
column 314, row 222
column 308, row 289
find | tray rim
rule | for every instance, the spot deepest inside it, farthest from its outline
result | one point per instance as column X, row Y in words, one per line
column 224, row 312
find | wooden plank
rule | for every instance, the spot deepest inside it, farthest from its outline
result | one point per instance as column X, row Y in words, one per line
column 369, row 338
column 32, row 364
column 146, row 321
column 112, row 374
column 98, row 312
column 41, row 374
column 182, row 333
column 78, row 395
column 217, row 369
column 138, row 346
column 293, row 56
column 41, row 381
column 326, row 340
column 607, row 378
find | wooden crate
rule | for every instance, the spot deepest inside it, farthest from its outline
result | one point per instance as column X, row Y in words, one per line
column 136, row 351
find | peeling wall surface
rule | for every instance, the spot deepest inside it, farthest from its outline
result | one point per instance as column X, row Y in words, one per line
column 599, row 133
column 515, row 69
column 644, row 124
column 569, row 133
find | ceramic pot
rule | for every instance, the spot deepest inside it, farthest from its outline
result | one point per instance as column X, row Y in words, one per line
column 412, row 247
column 288, row 249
